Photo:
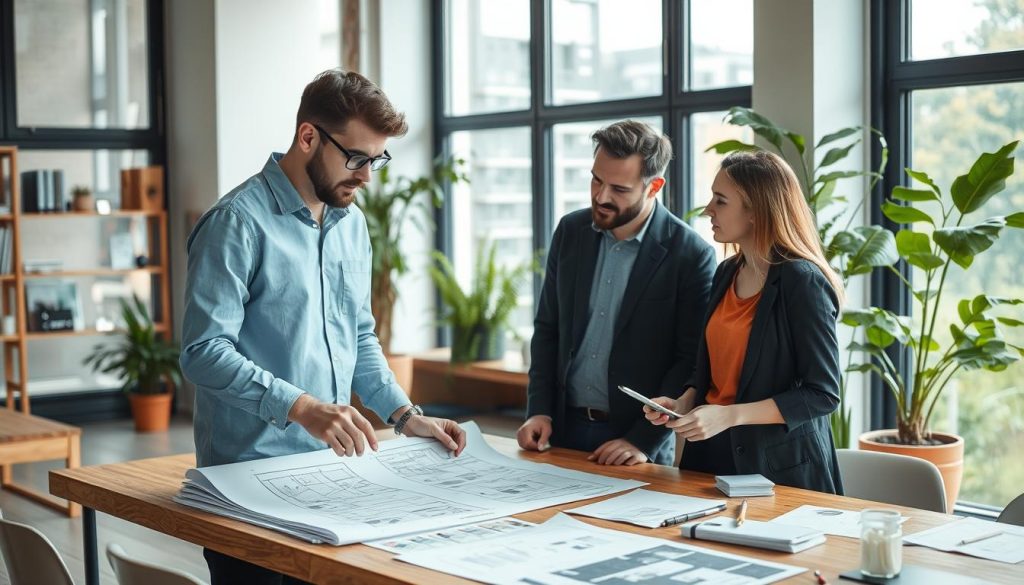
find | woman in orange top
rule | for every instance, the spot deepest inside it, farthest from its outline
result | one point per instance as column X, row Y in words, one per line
column 767, row 371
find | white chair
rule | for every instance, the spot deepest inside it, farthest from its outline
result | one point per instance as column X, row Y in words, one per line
column 131, row 571
column 893, row 479
column 30, row 557
column 1013, row 513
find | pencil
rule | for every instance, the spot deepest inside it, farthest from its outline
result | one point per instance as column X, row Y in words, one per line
column 742, row 514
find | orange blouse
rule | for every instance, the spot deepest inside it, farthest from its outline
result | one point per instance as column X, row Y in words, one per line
column 727, row 334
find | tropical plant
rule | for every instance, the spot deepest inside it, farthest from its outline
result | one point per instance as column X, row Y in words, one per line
column 976, row 342
column 388, row 204
column 852, row 251
column 141, row 359
column 477, row 316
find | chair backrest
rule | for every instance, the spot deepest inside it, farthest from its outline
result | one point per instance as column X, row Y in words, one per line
column 131, row 571
column 30, row 556
column 1013, row 513
column 893, row 479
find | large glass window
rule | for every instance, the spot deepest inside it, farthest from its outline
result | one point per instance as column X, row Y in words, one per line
column 953, row 28
column 706, row 129
column 81, row 64
column 605, row 50
column 487, row 56
column 986, row 408
column 721, row 43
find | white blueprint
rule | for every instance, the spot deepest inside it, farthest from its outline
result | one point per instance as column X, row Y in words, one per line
column 564, row 551
column 410, row 485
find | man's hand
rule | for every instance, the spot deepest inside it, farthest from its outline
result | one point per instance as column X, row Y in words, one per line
column 448, row 432
column 535, row 432
column 341, row 427
column 618, row 452
column 704, row 422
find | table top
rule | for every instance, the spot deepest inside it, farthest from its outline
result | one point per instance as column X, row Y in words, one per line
column 141, row 492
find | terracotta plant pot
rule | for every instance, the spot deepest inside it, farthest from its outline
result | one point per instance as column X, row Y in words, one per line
column 152, row 412
column 948, row 457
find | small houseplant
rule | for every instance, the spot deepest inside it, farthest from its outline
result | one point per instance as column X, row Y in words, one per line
column 145, row 363
column 974, row 340
column 478, row 317
column 852, row 251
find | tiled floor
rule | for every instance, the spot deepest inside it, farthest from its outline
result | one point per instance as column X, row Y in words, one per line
column 116, row 441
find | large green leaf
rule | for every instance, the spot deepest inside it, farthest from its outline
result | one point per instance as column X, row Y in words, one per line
column 907, row 194
column 866, row 247
column 965, row 242
column 986, row 178
column 924, row 178
column 835, row 155
column 916, row 248
column 838, row 135
column 905, row 214
column 1015, row 220
column 727, row 146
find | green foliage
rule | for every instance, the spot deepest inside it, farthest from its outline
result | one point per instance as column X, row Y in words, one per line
column 389, row 204
column 140, row 358
column 976, row 340
column 486, row 307
column 851, row 251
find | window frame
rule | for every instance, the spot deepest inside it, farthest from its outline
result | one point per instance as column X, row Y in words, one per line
column 893, row 79
column 674, row 106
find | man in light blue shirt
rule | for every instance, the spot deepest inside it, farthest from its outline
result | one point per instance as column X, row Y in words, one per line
column 277, row 327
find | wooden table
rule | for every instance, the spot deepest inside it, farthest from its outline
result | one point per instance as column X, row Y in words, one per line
column 141, row 492
column 25, row 438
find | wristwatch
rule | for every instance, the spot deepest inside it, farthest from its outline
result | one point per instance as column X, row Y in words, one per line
column 400, row 425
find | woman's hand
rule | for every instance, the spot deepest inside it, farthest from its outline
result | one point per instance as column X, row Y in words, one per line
column 704, row 422
column 657, row 417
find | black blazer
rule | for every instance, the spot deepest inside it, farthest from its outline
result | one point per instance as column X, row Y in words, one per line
column 793, row 357
column 656, row 333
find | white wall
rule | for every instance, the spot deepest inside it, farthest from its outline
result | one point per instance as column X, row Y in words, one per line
column 811, row 76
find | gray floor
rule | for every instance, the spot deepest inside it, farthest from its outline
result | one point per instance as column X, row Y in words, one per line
column 116, row 441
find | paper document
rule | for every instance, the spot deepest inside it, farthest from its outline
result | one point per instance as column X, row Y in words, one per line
column 411, row 485
column 827, row 520
column 649, row 508
column 436, row 538
column 982, row 538
column 564, row 551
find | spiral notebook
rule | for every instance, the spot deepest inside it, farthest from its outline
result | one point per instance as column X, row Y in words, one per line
column 769, row 535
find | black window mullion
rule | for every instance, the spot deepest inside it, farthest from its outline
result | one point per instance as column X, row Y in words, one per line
column 542, row 171
column 8, row 107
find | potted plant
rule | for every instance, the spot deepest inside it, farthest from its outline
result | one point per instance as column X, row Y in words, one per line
column 82, row 199
column 974, row 339
column 389, row 204
column 852, row 251
column 146, row 364
column 478, row 317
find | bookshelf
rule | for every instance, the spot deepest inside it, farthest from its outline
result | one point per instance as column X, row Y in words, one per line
column 14, row 284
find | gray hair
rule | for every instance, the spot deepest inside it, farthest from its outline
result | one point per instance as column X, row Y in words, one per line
column 628, row 137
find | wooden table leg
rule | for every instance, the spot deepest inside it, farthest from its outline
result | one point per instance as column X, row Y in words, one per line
column 92, row 566
column 73, row 461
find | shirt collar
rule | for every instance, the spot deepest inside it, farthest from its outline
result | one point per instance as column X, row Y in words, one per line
column 288, row 198
column 639, row 236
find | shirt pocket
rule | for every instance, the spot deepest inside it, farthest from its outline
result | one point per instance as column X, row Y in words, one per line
column 355, row 275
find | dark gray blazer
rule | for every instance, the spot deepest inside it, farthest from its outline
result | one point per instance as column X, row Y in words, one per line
column 656, row 333
column 793, row 357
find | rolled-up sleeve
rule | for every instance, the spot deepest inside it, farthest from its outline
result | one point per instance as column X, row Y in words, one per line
column 222, row 259
column 812, row 307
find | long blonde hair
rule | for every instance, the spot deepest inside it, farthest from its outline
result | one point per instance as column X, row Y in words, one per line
column 783, row 223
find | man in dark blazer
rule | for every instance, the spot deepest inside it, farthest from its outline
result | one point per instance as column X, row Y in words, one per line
column 624, row 295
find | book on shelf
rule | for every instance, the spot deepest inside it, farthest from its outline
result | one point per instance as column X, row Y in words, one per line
column 42, row 265
column 42, row 190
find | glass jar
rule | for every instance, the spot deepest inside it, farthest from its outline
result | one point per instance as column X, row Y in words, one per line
column 881, row 543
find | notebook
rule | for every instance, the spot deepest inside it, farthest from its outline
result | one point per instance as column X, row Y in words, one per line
column 743, row 486
column 769, row 535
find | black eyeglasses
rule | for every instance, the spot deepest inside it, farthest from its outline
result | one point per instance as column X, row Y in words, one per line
column 355, row 162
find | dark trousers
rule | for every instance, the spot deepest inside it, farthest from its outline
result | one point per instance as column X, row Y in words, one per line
column 225, row 570
column 587, row 435
column 712, row 455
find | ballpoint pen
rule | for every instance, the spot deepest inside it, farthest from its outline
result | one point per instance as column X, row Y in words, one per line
column 980, row 538
column 742, row 515
column 691, row 516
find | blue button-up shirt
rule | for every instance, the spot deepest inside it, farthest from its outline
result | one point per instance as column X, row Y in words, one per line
column 277, row 305
column 588, row 374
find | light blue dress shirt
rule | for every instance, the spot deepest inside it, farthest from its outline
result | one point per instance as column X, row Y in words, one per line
column 588, row 374
column 277, row 305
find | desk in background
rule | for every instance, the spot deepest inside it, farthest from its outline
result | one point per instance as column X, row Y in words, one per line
column 141, row 492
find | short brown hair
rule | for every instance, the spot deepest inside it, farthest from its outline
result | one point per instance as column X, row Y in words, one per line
column 628, row 137
column 334, row 97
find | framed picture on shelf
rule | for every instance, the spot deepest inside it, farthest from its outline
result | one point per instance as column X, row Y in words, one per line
column 122, row 251
column 53, row 305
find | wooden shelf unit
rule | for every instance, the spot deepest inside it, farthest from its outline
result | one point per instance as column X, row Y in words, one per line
column 12, row 286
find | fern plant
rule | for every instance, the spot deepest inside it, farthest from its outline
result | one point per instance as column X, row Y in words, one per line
column 140, row 358
column 478, row 316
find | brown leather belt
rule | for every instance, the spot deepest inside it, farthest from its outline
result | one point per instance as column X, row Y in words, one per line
column 593, row 414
